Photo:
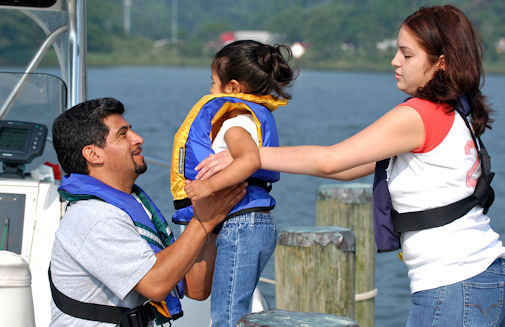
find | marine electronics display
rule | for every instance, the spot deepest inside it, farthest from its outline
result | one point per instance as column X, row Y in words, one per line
column 20, row 143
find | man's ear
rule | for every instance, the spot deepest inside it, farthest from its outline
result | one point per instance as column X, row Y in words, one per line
column 234, row 87
column 93, row 154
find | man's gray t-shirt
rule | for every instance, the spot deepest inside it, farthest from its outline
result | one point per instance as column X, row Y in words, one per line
column 98, row 257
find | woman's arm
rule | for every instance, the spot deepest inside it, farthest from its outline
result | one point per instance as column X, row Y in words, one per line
column 351, row 174
column 398, row 131
column 214, row 163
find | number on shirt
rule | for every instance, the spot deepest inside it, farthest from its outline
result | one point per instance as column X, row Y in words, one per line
column 470, row 180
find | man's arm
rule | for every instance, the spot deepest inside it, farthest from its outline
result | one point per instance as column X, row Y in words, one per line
column 199, row 279
column 174, row 262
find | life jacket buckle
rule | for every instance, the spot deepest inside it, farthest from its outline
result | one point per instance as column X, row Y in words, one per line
column 137, row 317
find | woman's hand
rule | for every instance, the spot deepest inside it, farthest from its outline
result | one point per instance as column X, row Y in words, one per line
column 213, row 164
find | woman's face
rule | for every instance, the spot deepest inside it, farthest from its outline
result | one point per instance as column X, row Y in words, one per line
column 413, row 69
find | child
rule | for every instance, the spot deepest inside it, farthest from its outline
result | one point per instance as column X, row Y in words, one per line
column 248, row 82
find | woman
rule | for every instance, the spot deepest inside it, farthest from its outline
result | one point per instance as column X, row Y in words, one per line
column 456, row 271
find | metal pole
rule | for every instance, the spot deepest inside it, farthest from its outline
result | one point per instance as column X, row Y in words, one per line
column 174, row 21
column 127, row 16
column 77, row 37
column 57, row 50
column 6, row 107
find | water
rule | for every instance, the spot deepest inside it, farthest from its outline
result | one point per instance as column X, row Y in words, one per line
column 326, row 108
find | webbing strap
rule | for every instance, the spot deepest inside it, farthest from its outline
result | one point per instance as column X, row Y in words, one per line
column 124, row 317
column 436, row 217
column 183, row 203
column 260, row 183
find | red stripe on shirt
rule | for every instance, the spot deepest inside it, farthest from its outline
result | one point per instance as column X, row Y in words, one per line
column 437, row 122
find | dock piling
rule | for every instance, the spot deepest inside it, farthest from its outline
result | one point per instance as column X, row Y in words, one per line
column 315, row 270
column 284, row 318
column 349, row 205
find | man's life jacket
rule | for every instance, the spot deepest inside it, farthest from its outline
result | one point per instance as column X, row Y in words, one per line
column 388, row 223
column 193, row 143
column 154, row 231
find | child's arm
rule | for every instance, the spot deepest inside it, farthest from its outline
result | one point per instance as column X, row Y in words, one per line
column 246, row 160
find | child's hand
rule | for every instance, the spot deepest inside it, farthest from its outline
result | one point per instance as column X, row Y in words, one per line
column 198, row 189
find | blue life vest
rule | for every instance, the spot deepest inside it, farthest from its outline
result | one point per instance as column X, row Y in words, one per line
column 193, row 143
column 75, row 187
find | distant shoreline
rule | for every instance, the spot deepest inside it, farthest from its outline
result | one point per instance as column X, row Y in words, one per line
column 356, row 64
column 97, row 60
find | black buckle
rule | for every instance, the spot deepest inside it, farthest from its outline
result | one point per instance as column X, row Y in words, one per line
column 137, row 317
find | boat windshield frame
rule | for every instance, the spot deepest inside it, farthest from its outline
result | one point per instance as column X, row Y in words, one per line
column 71, row 33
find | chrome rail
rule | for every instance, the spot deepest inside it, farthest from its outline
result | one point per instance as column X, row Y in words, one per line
column 39, row 55
column 78, row 79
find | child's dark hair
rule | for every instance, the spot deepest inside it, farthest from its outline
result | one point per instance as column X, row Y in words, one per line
column 262, row 68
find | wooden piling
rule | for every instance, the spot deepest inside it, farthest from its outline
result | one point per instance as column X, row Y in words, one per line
column 349, row 205
column 315, row 270
column 284, row 318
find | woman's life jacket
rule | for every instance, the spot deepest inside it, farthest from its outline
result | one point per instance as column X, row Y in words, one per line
column 154, row 231
column 193, row 143
column 388, row 223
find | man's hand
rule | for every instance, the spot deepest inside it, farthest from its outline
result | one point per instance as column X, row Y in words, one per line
column 175, row 262
column 213, row 164
column 213, row 209
column 198, row 189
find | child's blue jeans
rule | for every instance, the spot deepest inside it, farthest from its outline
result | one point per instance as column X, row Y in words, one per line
column 244, row 245
column 476, row 302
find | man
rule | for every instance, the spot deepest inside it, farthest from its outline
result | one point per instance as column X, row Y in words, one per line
column 113, row 250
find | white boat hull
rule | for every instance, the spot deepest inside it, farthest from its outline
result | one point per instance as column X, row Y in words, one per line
column 40, row 219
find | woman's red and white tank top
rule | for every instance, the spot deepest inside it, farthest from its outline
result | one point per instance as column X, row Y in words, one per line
column 443, row 170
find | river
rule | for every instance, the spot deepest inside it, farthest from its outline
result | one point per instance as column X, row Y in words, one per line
column 326, row 108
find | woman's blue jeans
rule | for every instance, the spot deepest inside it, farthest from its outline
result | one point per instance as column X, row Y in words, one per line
column 475, row 302
column 244, row 245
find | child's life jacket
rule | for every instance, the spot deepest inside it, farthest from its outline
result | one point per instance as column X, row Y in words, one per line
column 193, row 143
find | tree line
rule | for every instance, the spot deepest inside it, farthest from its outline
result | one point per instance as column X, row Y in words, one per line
column 332, row 29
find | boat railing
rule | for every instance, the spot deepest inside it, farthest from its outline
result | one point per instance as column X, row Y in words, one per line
column 71, row 53
column 32, row 66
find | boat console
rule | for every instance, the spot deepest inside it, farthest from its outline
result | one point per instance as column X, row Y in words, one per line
column 30, row 206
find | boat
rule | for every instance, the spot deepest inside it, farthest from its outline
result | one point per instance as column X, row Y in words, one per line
column 30, row 206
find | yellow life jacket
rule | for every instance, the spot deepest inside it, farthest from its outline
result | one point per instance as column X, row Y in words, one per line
column 193, row 143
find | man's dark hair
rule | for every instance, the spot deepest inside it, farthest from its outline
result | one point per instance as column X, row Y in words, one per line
column 79, row 126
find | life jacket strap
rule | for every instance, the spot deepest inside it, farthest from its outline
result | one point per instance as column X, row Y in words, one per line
column 123, row 317
column 259, row 182
column 436, row 217
column 483, row 196
column 186, row 202
column 183, row 203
